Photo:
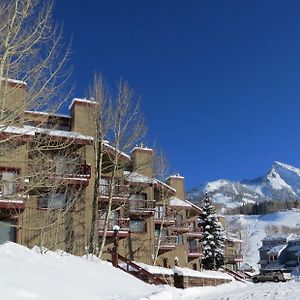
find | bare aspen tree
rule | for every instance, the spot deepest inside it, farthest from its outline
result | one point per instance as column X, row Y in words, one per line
column 126, row 127
column 101, row 122
column 33, row 76
column 160, row 168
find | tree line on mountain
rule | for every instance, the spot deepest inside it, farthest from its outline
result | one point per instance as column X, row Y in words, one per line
column 263, row 208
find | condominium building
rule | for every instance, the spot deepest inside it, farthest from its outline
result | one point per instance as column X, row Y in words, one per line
column 49, row 183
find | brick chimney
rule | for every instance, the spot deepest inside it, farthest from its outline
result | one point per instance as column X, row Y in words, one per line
column 177, row 182
column 13, row 94
column 142, row 158
column 83, row 113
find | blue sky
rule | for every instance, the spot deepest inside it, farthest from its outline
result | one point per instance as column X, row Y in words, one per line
column 219, row 80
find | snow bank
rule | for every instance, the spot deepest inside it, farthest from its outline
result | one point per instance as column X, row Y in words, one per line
column 27, row 274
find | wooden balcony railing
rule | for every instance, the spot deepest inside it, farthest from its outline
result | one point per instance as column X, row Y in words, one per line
column 194, row 231
column 166, row 243
column 68, row 170
column 233, row 258
column 167, row 218
column 194, row 251
column 141, row 206
column 119, row 190
column 121, row 222
column 181, row 226
column 12, row 196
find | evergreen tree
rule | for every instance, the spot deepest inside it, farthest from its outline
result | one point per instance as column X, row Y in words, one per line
column 213, row 237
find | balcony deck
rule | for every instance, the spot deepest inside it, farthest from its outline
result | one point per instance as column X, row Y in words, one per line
column 168, row 243
column 194, row 252
column 232, row 259
column 120, row 193
column 194, row 232
column 139, row 207
column 122, row 223
column 167, row 219
column 181, row 227
column 70, row 172
column 13, row 199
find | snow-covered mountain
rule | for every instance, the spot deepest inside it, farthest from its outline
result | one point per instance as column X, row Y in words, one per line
column 282, row 182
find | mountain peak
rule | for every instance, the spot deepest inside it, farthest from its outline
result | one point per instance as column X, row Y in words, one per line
column 282, row 182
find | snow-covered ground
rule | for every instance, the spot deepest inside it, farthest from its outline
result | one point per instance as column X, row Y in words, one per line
column 253, row 230
column 27, row 274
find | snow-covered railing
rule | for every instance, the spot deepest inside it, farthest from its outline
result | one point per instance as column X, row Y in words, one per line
column 140, row 206
column 121, row 222
column 119, row 190
column 12, row 195
column 168, row 217
column 167, row 242
column 195, row 251
column 233, row 258
column 69, row 170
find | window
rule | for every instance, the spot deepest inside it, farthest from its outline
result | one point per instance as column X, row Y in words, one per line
column 112, row 221
column 7, row 232
column 159, row 212
column 273, row 257
column 179, row 239
column 137, row 226
column 137, row 201
column 8, row 183
column 55, row 201
column 104, row 186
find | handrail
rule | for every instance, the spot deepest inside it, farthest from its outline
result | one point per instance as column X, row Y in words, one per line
column 141, row 271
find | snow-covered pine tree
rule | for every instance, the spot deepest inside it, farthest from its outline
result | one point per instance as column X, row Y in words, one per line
column 213, row 237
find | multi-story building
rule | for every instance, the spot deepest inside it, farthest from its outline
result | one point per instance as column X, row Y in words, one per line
column 48, row 182
column 280, row 251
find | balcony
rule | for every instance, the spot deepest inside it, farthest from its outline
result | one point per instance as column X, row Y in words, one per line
column 181, row 227
column 141, row 207
column 233, row 258
column 194, row 231
column 122, row 223
column 194, row 251
column 167, row 243
column 12, row 196
column 167, row 219
column 69, row 171
column 120, row 193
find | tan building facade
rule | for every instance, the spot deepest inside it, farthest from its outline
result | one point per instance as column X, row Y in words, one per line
column 48, row 175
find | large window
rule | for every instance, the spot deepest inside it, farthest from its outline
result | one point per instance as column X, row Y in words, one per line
column 137, row 226
column 159, row 212
column 7, row 231
column 8, row 183
column 54, row 201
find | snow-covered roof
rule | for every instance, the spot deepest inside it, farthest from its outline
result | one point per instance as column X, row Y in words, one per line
column 84, row 101
column 15, row 81
column 151, row 269
column 174, row 201
column 141, row 147
column 140, row 178
column 44, row 113
column 137, row 177
column 17, row 130
column 202, row 274
column 176, row 176
column 294, row 238
column 59, row 133
column 276, row 250
column 275, row 237
column 233, row 238
column 106, row 144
